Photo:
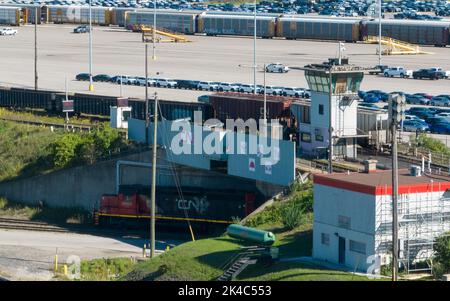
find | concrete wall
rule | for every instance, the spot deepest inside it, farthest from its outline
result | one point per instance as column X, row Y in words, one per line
column 83, row 186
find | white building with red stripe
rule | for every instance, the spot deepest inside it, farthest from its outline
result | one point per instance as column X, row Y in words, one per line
column 353, row 218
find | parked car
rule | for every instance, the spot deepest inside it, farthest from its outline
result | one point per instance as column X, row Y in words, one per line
column 378, row 69
column 208, row 86
column 228, row 87
column 124, row 79
column 82, row 76
column 371, row 98
column 274, row 90
column 140, row 81
column 81, row 29
column 426, row 95
column 293, row 92
column 203, row 98
column 417, row 100
column 101, row 78
column 397, row 71
column 443, row 114
column 445, row 74
column 187, row 84
column 414, row 126
column 427, row 73
column 8, row 31
column 247, row 89
column 165, row 83
column 413, row 117
column 440, row 101
column 440, row 128
column 277, row 67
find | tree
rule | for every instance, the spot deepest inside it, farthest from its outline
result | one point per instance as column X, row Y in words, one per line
column 441, row 259
column 64, row 149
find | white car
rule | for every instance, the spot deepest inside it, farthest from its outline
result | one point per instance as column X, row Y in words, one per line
column 397, row 71
column 247, row 89
column 277, row 67
column 413, row 117
column 443, row 114
column 274, row 90
column 446, row 74
column 227, row 87
column 166, row 83
column 8, row 31
column 293, row 92
column 140, row 81
column 208, row 86
column 128, row 80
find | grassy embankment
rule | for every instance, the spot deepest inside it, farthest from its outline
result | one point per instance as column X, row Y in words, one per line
column 204, row 258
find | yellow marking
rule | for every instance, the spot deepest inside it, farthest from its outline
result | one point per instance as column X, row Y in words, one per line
column 168, row 218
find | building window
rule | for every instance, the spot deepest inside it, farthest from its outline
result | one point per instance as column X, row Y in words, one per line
column 305, row 137
column 325, row 238
column 344, row 222
column 358, row 247
column 319, row 138
column 320, row 109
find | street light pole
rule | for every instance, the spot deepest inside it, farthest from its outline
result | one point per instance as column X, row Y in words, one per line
column 254, row 50
column 91, row 83
column 379, row 32
column 147, row 114
column 154, row 28
column 153, row 205
column 265, row 96
column 35, row 48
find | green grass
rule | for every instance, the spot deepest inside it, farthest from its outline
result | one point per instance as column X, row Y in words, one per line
column 105, row 269
column 54, row 215
column 42, row 116
column 23, row 149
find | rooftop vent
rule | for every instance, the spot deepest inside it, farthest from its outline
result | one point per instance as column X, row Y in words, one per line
column 415, row 171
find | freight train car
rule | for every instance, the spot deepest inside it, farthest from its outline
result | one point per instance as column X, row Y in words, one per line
column 318, row 29
column 416, row 32
column 118, row 15
column 59, row 14
column 18, row 98
column 10, row 15
column 240, row 25
column 174, row 21
column 196, row 205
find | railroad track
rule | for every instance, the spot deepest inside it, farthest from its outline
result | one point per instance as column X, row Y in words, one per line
column 20, row 224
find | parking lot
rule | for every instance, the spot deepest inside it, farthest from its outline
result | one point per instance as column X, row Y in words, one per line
column 62, row 53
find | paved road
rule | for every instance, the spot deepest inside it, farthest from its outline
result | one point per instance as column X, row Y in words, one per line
column 116, row 51
column 29, row 255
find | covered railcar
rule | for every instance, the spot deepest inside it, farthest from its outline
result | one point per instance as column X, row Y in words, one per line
column 416, row 32
column 318, row 29
column 77, row 14
column 180, row 22
column 239, row 25
column 10, row 15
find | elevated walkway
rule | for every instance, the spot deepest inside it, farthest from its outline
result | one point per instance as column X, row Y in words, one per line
column 395, row 47
column 147, row 35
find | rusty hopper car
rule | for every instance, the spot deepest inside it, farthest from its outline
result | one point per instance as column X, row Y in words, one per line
column 416, row 32
column 174, row 21
column 240, row 25
column 318, row 29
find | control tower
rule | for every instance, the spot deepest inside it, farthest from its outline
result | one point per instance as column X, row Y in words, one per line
column 334, row 89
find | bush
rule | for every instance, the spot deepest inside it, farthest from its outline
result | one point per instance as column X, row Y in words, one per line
column 292, row 216
column 442, row 255
column 433, row 145
column 64, row 150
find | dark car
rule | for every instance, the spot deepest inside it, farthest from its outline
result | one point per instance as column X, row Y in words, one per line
column 440, row 128
column 81, row 29
column 187, row 84
column 82, row 76
column 416, row 99
column 427, row 73
column 378, row 69
column 102, row 78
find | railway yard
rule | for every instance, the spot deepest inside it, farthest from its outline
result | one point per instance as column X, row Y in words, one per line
column 308, row 211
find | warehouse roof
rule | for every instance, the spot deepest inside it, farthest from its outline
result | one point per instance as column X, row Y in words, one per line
column 380, row 182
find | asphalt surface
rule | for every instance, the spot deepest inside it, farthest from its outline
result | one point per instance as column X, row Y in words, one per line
column 116, row 51
column 29, row 255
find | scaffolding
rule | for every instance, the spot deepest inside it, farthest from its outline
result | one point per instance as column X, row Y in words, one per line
column 422, row 217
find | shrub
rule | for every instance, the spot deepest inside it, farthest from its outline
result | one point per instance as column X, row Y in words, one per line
column 292, row 216
column 64, row 150
column 442, row 255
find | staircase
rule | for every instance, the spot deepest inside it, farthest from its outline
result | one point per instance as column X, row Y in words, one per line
column 240, row 262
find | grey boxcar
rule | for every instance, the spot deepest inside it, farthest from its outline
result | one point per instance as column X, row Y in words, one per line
column 242, row 25
column 9, row 15
column 174, row 21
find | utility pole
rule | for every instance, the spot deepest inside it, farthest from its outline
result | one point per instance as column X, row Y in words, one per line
column 35, row 48
column 265, row 97
column 91, row 82
column 396, row 115
column 147, row 113
column 330, row 127
column 154, row 28
column 153, row 206
column 379, row 32
column 254, row 50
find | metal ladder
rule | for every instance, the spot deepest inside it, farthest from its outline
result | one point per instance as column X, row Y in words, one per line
column 239, row 262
